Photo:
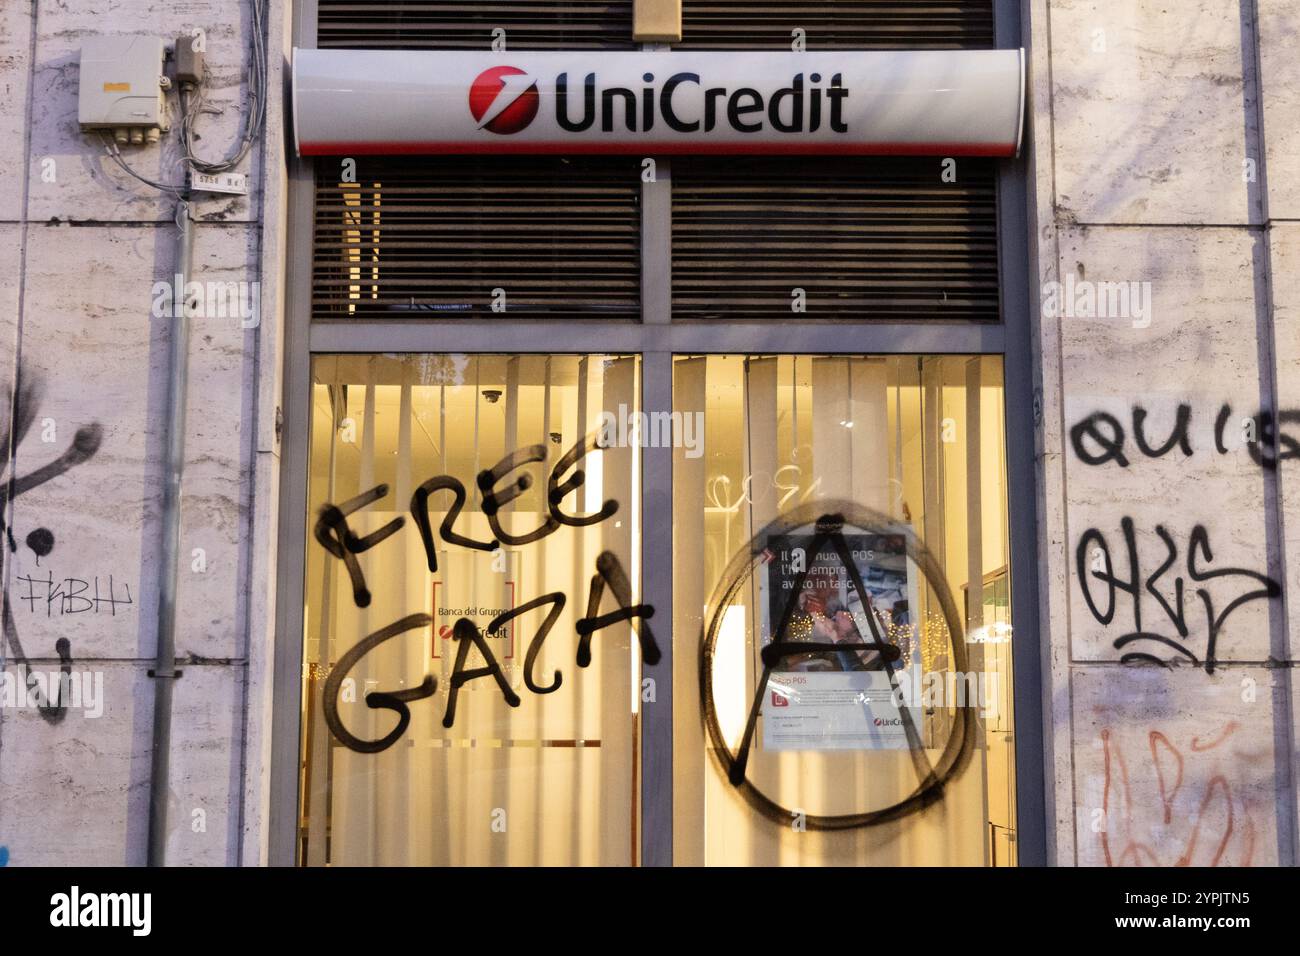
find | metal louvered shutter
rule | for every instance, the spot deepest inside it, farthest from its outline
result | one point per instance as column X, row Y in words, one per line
column 468, row 24
column 865, row 239
column 560, row 237
column 837, row 24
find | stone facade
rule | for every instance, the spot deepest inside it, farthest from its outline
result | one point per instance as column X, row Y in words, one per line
column 80, row 319
column 1163, row 159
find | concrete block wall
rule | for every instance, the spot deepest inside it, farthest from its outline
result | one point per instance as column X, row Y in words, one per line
column 81, row 325
column 1164, row 158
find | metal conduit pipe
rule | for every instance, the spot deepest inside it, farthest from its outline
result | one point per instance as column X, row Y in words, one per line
column 165, row 673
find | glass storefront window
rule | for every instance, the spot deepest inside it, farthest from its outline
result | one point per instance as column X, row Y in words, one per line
column 841, row 616
column 472, row 578
column 475, row 641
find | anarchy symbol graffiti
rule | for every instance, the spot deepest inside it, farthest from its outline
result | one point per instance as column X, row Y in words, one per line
column 828, row 521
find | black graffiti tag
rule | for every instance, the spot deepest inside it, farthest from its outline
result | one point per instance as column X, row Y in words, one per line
column 335, row 535
column 828, row 520
column 1094, row 561
column 1099, row 438
column 23, row 399
column 1274, row 445
column 337, row 538
column 376, row 700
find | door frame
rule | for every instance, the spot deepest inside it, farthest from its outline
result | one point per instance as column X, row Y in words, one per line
column 656, row 339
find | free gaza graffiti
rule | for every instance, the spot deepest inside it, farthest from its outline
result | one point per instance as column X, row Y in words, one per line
column 335, row 535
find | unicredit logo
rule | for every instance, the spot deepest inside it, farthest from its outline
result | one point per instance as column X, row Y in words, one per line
column 503, row 100
column 809, row 101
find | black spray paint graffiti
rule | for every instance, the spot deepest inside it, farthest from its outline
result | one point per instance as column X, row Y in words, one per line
column 829, row 519
column 68, row 595
column 22, row 399
column 1093, row 560
column 1100, row 439
column 335, row 535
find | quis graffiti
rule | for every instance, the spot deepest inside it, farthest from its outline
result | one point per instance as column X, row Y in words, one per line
column 336, row 536
column 1115, row 581
column 1100, row 438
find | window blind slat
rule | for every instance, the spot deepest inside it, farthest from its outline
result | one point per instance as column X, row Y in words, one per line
column 841, row 25
column 863, row 238
column 560, row 237
column 447, row 25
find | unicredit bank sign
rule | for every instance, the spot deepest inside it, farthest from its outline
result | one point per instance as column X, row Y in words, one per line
column 951, row 103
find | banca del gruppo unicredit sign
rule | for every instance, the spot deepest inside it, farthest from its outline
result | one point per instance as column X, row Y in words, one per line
column 950, row 103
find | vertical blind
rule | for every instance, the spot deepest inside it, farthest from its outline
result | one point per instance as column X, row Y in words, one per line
column 560, row 767
column 777, row 436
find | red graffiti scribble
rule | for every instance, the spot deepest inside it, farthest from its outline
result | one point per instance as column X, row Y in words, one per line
column 1249, row 840
column 1216, row 783
column 1105, row 797
column 1217, row 805
column 1166, row 795
column 1228, row 730
column 1133, row 849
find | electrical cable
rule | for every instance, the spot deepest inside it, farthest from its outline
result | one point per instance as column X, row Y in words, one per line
column 116, row 156
column 257, row 95
column 191, row 108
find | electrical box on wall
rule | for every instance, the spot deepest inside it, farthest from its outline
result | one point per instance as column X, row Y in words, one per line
column 123, row 87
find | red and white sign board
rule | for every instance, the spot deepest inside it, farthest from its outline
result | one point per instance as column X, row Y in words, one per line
column 945, row 103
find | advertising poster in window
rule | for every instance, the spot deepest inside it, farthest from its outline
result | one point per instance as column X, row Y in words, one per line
column 479, row 586
column 841, row 698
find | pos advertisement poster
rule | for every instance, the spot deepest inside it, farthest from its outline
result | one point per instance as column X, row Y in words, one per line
column 839, row 699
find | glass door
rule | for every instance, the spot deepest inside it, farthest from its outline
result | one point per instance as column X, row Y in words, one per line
column 842, row 678
column 472, row 585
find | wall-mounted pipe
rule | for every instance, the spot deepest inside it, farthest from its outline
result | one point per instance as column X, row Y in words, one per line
column 165, row 672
